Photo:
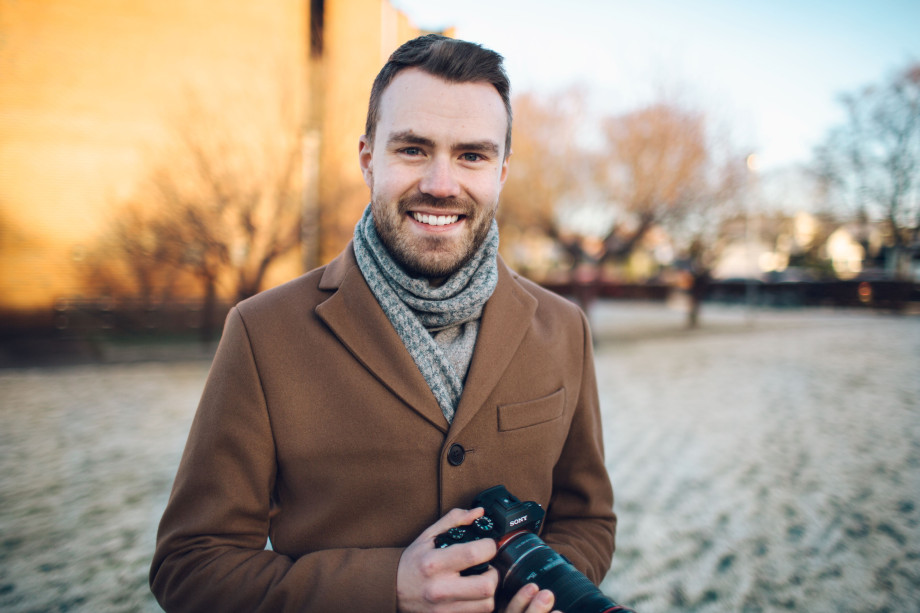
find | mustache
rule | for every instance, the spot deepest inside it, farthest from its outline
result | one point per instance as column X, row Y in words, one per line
column 415, row 201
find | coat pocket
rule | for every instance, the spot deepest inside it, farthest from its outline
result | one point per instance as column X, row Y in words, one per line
column 532, row 412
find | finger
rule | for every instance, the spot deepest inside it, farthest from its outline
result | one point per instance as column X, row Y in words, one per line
column 466, row 555
column 531, row 599
column 452, row 519
column 475, row 588
column 523, row 597
column 542, row 603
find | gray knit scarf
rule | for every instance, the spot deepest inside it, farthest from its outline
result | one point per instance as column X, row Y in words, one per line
column 415, row 308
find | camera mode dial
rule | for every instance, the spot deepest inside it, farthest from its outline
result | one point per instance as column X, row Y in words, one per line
column 480, row 528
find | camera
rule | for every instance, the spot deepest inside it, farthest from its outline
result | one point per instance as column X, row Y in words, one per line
column 523, row 557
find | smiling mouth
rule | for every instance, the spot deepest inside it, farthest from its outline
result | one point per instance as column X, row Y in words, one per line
column 435, row 220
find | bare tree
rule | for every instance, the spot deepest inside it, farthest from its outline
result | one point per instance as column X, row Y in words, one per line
column 656, row 167
column 653, row 163
column 221, row 205
column 698, row 229
column 133, row 259
column 872, row 162
column 550, row 165
column 233, row 207
column 648, row 169
column 665, row 166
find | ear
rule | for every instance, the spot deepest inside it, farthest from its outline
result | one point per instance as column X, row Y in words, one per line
column 365, row 159
column 503, row 176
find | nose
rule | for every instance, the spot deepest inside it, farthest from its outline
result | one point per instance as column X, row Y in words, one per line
column 439, row 180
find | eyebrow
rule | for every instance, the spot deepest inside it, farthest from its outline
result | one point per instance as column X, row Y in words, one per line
column 407, row 137
column 480, row 146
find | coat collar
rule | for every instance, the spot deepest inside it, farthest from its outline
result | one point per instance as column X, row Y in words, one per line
column 355, row 317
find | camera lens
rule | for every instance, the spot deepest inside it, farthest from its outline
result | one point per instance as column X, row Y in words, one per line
column 525, row 558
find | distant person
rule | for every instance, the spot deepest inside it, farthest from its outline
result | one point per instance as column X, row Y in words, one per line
column 348, row 411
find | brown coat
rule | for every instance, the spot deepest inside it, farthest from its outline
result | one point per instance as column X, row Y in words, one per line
column 317, row 430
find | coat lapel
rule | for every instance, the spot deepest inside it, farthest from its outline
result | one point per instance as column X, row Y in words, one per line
column 505, row 320
column 355, row 317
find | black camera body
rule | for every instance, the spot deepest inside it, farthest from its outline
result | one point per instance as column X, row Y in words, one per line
column 523, row 557
column 505, row 515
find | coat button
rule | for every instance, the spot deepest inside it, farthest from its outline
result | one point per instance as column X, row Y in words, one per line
column 456, row 454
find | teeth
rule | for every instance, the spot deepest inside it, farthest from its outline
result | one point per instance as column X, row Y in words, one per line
column 435, row 220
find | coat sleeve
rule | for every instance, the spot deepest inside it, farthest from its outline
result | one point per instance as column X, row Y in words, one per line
column 210, row 551
column 580, row 522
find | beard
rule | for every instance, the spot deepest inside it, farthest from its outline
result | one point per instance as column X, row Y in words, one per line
column 431, row 257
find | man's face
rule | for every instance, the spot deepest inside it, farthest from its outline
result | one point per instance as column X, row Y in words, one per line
column 435, row 170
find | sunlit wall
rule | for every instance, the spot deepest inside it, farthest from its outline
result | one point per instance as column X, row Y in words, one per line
column 90, row 92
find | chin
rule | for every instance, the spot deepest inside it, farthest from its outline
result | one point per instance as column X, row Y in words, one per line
column 436, row 268
column 432, row 261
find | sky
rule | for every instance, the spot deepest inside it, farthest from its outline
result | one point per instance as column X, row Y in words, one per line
column 770, row 72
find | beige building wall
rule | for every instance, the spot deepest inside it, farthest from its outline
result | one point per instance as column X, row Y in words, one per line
column 87, row 96
column 93, row 92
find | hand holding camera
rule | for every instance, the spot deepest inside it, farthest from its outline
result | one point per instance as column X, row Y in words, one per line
column 427, row 577
column 522, row 557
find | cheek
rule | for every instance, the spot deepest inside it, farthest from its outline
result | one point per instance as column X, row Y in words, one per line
column 487, row 192
column 390, row 185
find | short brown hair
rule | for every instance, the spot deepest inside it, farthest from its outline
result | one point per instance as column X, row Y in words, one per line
column 453, row 60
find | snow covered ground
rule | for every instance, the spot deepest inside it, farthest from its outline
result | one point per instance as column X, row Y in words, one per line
column 87, row 458
column 767, row 462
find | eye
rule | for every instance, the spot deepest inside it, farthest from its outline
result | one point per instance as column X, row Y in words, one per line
column 411, row 151
column 471, row 157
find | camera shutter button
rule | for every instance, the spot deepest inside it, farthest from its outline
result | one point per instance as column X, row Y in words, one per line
column 456, row 454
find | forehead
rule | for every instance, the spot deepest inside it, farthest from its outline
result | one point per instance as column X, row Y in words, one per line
column 429, row 106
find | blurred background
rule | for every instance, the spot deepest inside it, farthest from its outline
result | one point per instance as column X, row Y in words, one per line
column 730, row 190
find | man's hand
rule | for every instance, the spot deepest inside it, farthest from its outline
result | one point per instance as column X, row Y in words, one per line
column 531, row 599
column 428, row 579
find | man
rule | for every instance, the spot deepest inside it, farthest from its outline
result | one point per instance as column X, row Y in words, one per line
column 348, row 411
